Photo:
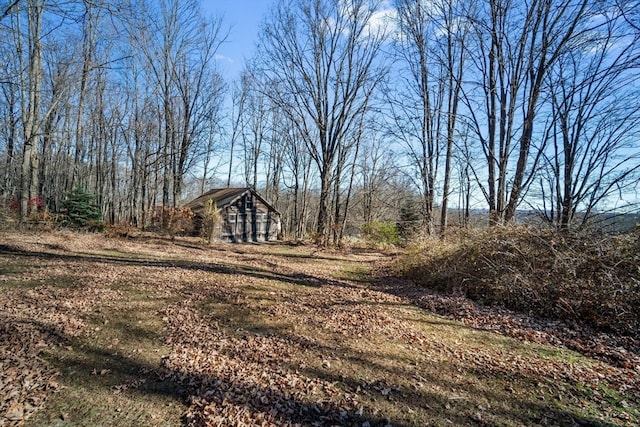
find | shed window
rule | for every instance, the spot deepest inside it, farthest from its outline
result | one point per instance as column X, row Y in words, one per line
column 261, row 222
column 232, row 218
column 248, row 203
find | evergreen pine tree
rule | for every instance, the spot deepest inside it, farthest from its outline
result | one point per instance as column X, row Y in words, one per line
column 409, row 219
column 81, row 210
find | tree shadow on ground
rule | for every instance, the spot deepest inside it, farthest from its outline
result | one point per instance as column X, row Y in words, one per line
column 105, row 369
column 298, row 279
column 579, row 338
column 100, row 368
column 437, row 404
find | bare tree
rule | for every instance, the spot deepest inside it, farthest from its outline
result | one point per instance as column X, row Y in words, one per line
column 297, row 178
column 237, row 112
column 453, row 55
column 55, row 153
column 90, row 18
column 255, row 124
column 193, row 76
column 31, row 86
column 345, row 170
column 376, row 170
column 516, row 46
column 215, row 90
column 179, row 47
column 321, row 54
column 277, row 155
column 464, row 164
column 595, row 122
column 73, row 119
column 416, row 98
column 10, row 120
column 424, row 98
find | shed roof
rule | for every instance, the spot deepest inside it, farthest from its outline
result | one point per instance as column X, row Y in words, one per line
column 225, row 197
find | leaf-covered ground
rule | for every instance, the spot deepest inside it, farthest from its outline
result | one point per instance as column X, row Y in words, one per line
column 150, row 331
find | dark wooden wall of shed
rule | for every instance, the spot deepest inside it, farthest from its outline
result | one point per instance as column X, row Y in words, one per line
column 247, row 220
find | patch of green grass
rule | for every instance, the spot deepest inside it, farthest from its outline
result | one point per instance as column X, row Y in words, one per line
column 622, row 402
column 359, row 273
column 561, row 354
column 112, row 375
column 64, row 281
column 11, row 269
column 20, row 284
column 115, row 253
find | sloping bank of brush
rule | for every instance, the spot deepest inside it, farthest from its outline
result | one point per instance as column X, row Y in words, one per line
column 592, row 280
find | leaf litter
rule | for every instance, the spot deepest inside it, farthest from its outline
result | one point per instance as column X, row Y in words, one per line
column 31, row 321
column 259, row 340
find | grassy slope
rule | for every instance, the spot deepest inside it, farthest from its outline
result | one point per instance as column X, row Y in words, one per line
column 156, row 332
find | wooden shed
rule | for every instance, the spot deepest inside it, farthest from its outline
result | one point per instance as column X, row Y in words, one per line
column 244, row 215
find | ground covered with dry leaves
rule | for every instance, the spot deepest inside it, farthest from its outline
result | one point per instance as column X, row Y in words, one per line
column 154, row 331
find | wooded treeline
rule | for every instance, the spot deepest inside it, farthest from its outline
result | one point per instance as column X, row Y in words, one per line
column 350, row 112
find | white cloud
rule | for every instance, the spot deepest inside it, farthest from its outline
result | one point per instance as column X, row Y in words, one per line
column 223, row 58
column 383, row 20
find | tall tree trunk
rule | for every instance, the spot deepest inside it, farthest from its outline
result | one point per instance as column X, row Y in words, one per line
column 11, row 138
column 347, row 201
column 455, row 69
column 88, row 43
column 31, row 111
column 322, row 226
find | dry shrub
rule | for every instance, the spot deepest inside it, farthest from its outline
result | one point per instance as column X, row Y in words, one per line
column 588, row 279
column 43, row 220
column 122, row 230
column 38, row 219
column 173, row 221
column 8, row 219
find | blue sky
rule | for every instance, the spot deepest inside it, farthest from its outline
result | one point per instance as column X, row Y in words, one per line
column 243, row 17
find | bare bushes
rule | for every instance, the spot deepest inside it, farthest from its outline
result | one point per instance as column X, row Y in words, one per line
column 172, row 221
column 592, row 280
